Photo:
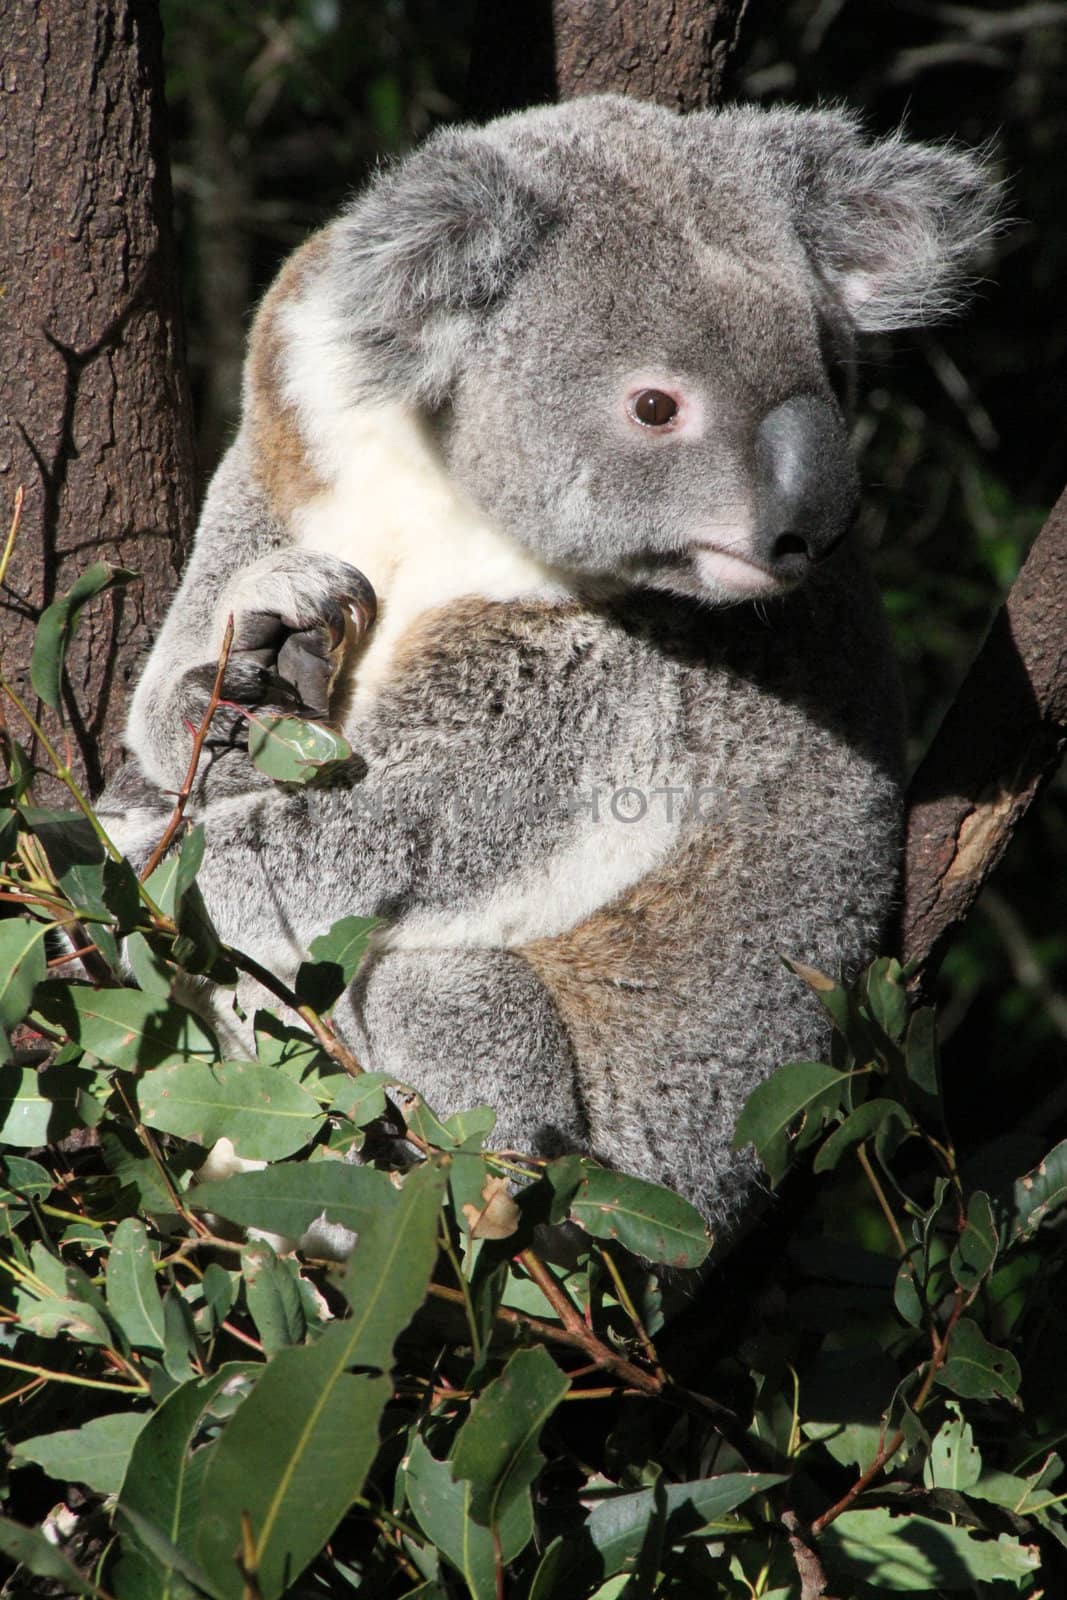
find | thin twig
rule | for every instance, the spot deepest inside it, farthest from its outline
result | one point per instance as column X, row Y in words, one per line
column 199, row 739
column 12, row 534
column 888, row 1451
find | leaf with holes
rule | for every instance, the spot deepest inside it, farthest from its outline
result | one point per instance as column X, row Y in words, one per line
column 978, row 1370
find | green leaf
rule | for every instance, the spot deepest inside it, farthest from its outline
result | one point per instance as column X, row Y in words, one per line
column 652, row 1222
column 615, row 1529
column 21, row 1181
column 974, row 1255
column 336, row 957
column 362, row 1099
column 844, row 1394
column 1037, row 1195
column 886, row 996
column 78, row 859
column 287, row 1199
column 440, row 1506
column 57, row 626
column 96, row 1454
column 320, row 1419
column 123, row 1027
column 23, row 965
column 861, row 1124
column 1023, row 1496
column 976, row 1369
column 912, row 1554
column 261, row 1111
column 30, row 1548
column 273, row 1297
column 922, row 1065
column 57, row 1297
column 497, row 1449
column 41, row 1106
column 292, row 751
column 788, row 1111
column 954, row 1461
column 162, row 1483
column 132, row 1294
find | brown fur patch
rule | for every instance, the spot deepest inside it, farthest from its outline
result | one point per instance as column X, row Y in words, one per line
column 282, row 464
column 643, row 942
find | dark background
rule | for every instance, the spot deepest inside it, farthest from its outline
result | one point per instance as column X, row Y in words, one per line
column 279, row 110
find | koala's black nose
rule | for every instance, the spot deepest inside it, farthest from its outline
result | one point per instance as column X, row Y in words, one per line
column 806, row 484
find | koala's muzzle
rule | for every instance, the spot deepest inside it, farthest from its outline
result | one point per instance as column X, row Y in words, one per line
column 807, row 486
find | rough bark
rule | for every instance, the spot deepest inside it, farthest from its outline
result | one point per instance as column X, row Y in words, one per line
column 1001, row 740
column 95, row 421
column 672, row 51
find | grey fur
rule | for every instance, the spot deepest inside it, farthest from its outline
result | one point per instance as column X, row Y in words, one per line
column 507, row 280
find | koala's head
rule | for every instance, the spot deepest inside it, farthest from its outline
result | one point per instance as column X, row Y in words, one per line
column 635, row 330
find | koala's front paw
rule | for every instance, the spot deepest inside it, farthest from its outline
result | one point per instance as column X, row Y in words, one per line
column 293, row 613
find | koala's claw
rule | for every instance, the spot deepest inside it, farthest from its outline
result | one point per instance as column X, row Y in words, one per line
column 289, row 642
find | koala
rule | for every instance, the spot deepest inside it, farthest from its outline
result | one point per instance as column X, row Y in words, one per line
column 566, row 397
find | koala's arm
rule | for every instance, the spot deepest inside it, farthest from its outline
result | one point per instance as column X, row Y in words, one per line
column 289, row 608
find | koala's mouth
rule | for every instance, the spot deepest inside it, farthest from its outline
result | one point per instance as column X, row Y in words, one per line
column 742, row 575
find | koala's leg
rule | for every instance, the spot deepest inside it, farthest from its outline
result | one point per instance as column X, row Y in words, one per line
column 473, row 1027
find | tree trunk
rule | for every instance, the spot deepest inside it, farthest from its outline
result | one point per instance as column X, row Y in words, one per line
column 672, row 51
column 95, row 422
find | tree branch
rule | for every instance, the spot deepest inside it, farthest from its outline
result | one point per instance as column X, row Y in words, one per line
column 1001, row 741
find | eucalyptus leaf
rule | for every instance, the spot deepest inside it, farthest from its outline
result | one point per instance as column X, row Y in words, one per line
column 23, row 965
column 652, row 1222
column 123, row 1027
column 162, row 1484
column 915, row 1555
column 58, row 623
column 263, row 1113
column 42, row 1105
column 614, row 1531
column 1037, row 1195
column 132, row 1293
column 287, row 1199
column 320, row 1418
column 496, row 1449
column 787, row 1112
column 861, row 1124
column 975, row 1253
column 976, row 1369
column 290, row 750
column 335, row 960
column 21, row 1181
column 273, row 1297
column 954, row 1461
column 96, row 1454
column 30, row 1548
column 440, row 1505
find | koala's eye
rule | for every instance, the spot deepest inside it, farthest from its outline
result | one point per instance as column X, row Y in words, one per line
column 653, row 408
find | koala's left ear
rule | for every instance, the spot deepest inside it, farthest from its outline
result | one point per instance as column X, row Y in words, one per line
column 896, row 227
column 437, row 238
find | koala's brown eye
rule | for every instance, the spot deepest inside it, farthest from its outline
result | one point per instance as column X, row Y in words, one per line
column 654, row 408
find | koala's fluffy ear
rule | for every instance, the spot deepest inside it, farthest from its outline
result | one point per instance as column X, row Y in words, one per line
column 437, row 238
column 895, row 226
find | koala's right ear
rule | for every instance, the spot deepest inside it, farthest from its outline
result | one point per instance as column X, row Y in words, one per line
column 436, row 239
